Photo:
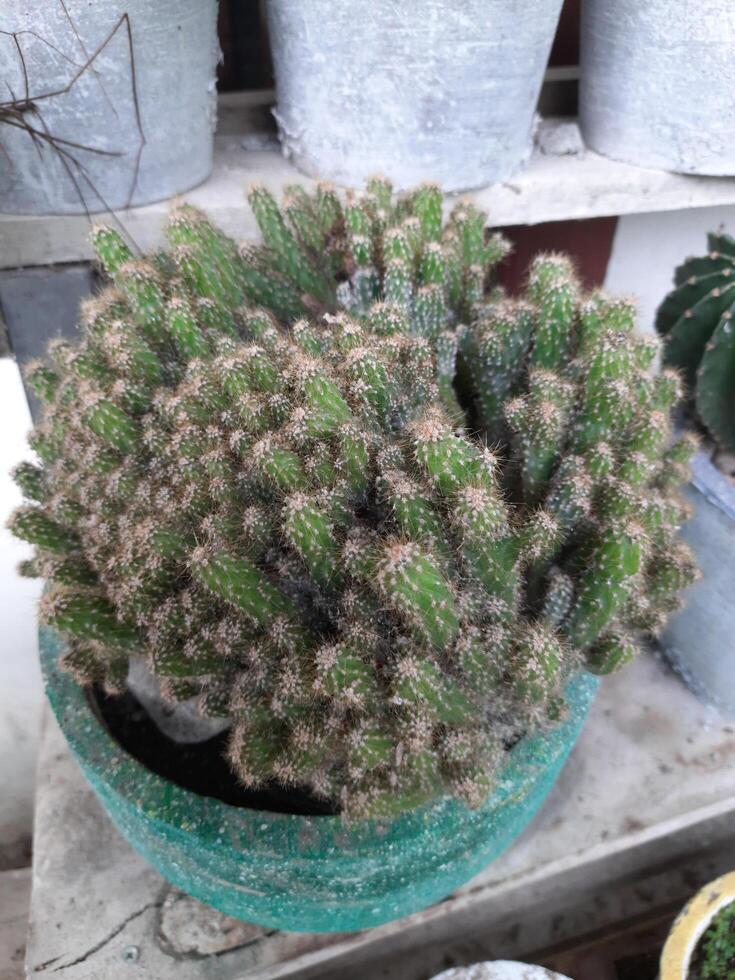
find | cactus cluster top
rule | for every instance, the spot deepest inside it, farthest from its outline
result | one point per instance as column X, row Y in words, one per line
column 697, row 321
column 348, row 495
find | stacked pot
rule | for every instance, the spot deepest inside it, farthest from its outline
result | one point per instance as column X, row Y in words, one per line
column 105, row 105
column 657, row 83
column 414, row 90
column 450, row 90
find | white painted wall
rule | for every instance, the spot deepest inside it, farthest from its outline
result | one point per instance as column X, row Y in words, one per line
column 20, row 680
column 647, row 247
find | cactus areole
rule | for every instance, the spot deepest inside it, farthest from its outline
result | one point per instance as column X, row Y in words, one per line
column 350, row 497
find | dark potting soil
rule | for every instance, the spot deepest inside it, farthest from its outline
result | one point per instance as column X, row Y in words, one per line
column 199, row 767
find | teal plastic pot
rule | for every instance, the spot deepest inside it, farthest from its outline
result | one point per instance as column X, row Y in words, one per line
column 308, row 874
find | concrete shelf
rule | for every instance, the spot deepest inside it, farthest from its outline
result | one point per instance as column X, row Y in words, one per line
column 556, row 185
column 644, row 810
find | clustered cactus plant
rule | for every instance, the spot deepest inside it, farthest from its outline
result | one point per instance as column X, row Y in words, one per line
column 697, row 320
column 254, row 473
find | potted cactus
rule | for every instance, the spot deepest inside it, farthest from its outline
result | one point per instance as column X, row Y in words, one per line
column 381, row 523
column 696, row 321
column 701, row 944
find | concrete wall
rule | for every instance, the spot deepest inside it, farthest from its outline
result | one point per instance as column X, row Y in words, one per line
column 647, row 247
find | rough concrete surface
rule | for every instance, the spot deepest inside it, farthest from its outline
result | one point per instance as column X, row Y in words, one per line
column 650, row 781
column 15, row 894
column 551, row 188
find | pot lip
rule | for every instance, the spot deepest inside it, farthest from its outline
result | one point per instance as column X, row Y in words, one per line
column 691, row 924
column 712, row 484
column 96, row 750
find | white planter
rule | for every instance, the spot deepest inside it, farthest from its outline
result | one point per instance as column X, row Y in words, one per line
column 499, row 970
column 657, row 83
column 175, row 56
column 700, row 640
column 415, row 89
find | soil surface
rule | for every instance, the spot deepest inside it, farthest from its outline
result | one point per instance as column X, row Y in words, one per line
column 201, row 767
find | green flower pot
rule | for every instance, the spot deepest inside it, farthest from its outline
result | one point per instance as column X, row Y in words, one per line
column 308, row 874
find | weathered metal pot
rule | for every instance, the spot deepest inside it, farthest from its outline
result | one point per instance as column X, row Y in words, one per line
column 112, row 103
column 308, row 874
column 700, row 640
column 656, row 83
column 429, row 88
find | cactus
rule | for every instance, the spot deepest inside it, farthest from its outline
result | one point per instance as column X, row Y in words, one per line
column 697, row 320
column 255, row 472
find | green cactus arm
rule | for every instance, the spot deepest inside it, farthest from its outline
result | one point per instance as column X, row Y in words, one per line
column 327, row 410
column 558, row 599
column 111, row 249
column 423, row 685
column 31, row 524
column 111, row 424
column 538, row 425
column 140, row 284
column 278, row 465
column 449, row 461
column 427, row 204
column 289, row 258
column 239, row 582
column 687, row 339
column 31, row 481
column 183, row 328
column 490, row 549
column 410, row 583
column 553, row 289
column 495, row 351
column 715, row 392
column 87, row 617
column 689, row 295
column 414, row 511
column 42, row 379
column 697, row 266
column 311, row 532
column 610, row 653
column 89, row 663
column 536, row 665
column 342, row 675
column 605, row 583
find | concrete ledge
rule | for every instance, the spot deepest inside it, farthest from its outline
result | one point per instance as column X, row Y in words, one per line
column 649, row 787
column 557, row 185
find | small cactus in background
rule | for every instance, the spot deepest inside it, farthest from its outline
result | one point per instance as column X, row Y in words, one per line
column 697, row 321
column 254, row 472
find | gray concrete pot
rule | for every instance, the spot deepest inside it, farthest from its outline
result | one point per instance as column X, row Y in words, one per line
column 657, row 83
column 439, row 89
column 170, row 75
column 700, row 640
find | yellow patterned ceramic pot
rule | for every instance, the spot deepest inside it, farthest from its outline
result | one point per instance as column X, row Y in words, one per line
column 692, row 923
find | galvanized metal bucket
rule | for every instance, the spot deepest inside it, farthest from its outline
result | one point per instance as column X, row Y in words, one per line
column 434, row 89
column 106, row 104
column 657, row 83
column 700, row 640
